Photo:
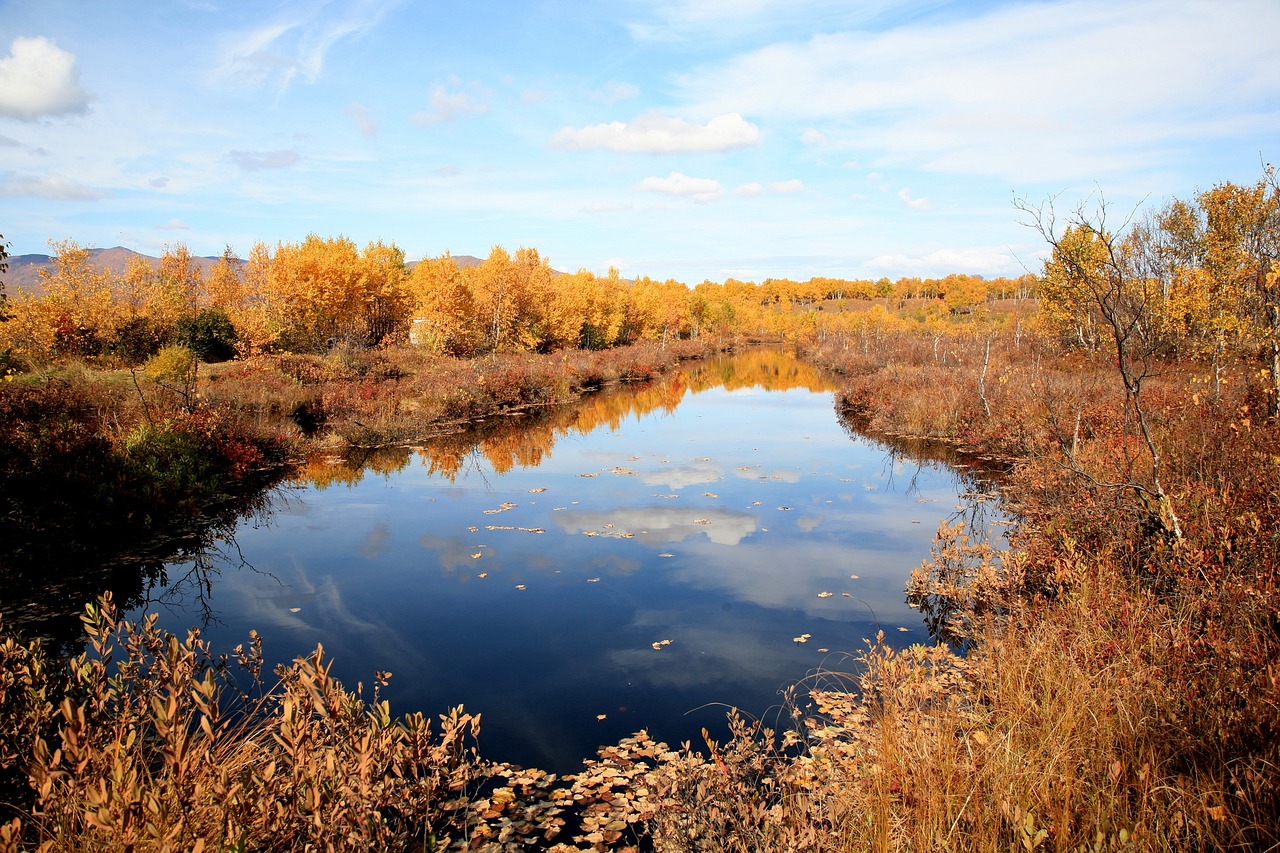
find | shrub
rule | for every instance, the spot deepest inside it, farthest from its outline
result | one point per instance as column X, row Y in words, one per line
column 209, row 334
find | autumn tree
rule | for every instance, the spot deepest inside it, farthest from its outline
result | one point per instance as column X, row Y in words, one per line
column 444, row 317
column 1242, row 247
column 1092, row 276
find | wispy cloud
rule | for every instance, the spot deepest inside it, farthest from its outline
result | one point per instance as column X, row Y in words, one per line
column 39, row 79
column 55, row 187
column 174, row 224
column 256, row 161
column 295, row 46
column 905, row 195
column 447, row 104
column 364, row 120
column 676, row 183
column 613, row 92
column 1042, row 90
column 653, row 133
column 794, row 185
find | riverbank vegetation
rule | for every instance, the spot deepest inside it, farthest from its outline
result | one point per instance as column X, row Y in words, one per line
column 1110, row 680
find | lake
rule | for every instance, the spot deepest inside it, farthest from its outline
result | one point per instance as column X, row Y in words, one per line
column 646, row 559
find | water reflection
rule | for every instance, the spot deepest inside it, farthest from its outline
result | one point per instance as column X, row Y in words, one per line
column 528, row 569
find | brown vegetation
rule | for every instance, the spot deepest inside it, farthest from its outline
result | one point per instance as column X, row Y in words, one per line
column 1110, row 681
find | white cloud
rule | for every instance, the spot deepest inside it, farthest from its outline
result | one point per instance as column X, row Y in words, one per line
column 794, row 185
column 607, row 207
column 54, row 187
column 447, row 105
column 159, row 183
column 287, row 49
column 174, row 224
column 653, row 133
column 813, row 137
column 750, row 189
column 905, row 195
column 255, row 161
column 1047, row 90
column 676, row 183
column 38, row 79
column 614, row 92
column 945, row 261
column 367, row 124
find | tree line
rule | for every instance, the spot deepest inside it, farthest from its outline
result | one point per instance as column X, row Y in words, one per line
column 309, row 296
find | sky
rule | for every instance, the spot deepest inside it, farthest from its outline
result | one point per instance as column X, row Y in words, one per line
column 686, row 139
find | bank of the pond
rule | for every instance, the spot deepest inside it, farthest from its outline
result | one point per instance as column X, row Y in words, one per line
column 1120, row 691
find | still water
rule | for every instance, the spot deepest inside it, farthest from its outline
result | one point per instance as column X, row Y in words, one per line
column 645, row 560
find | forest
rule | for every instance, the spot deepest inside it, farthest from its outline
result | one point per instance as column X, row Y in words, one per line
column 1109, row 680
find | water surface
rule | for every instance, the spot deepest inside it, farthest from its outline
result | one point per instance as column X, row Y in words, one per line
column 720, row 514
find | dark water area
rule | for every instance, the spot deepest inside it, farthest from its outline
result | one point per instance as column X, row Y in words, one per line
column 647, row 558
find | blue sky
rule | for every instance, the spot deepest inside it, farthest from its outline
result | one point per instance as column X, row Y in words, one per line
column 686, row 139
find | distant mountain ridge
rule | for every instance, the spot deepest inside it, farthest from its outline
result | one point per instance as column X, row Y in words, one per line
column 23, row 275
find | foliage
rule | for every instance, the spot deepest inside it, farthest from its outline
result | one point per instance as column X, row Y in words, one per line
column 209, row 335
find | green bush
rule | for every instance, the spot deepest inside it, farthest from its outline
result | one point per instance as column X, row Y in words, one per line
column 209, row 334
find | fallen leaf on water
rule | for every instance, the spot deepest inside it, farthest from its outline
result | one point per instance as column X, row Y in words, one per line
column 710, row 495
column 666, row 496
column 622, row 471
column 845, row 595
column 295, row 609
column 803, row 638
column 593, row 580
column 531, row 529
column 602, row 716
column 666, row 555
column 521, row 586
column 536, row 489
column 473, row 528
column 903, row 630
column 784, row 508
column 477, row 555
column 853, row 577
column 825, row 594
column 824, row 651
column 755, row 503
column 483, row 575
column 590, row 474
column 702, row 521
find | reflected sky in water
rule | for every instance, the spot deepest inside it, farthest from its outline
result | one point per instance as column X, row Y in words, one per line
column 535, row 596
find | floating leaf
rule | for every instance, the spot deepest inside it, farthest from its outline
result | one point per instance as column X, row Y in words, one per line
column 483, row 575
column 825, row 594
column 590, row 474
column 666, row 555
column 602, row 716
column 536, row 490
column 702, row 521
column 784, row 509
column 521, row 586
column 853, row 577
column 295, row 609
column 622, row 471
column 477, row 555
column 903, row 630
column 593, row 580
column 473, row 528
column 824, row 651
column 710, row 495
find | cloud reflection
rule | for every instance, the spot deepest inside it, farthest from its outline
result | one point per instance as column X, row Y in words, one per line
column 663, row 525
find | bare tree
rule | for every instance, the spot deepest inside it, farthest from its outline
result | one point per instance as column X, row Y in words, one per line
column 1092, row 262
